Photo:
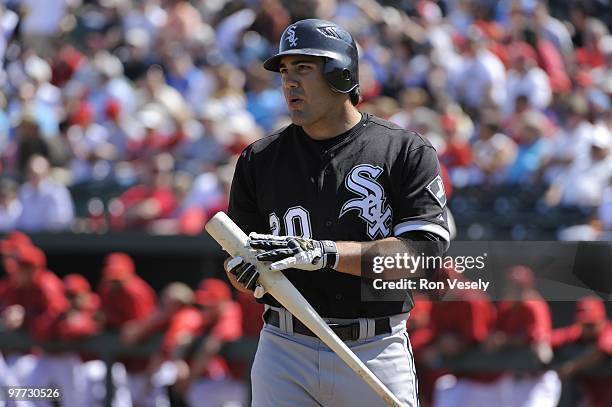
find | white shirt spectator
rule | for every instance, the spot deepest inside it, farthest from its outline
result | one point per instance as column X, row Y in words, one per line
column 584, row 184
column 84, row 142
column 48, row 207
column 587, row 179
column 480, row 75
column 534, row 84
column 43, row 17
column 571, row 144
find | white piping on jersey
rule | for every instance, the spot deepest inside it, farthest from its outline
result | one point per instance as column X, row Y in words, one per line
column 412, row 225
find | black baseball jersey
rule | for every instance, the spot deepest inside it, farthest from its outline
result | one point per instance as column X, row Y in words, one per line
column 375, row 181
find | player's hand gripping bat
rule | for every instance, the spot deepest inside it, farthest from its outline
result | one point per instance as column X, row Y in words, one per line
column 234, row 241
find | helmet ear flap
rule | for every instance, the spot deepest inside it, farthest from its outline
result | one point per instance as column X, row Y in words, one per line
column 346, row 74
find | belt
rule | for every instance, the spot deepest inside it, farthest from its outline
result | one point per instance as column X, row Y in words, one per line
column 346, row 332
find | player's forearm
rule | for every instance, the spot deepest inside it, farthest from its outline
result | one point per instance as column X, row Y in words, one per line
column 355, row 255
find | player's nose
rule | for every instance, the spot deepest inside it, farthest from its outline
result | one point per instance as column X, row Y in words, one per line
column 289, row 82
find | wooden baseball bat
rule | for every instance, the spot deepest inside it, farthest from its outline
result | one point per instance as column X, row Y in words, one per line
column 234, row 241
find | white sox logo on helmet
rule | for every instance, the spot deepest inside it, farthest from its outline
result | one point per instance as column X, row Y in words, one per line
column 371, row 206
column 291, row 36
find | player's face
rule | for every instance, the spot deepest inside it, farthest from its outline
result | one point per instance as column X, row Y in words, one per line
column 309, row 98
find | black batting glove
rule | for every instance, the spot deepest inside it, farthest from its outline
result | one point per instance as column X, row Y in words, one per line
column 295, row 252
column 246, row 275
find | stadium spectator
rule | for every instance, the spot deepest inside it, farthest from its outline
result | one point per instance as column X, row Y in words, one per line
column 457, row 151
column 526, row 78
column 10, row 207
column 571, row 142
column 482, row 79
column 532, row 148
column 27, row 142
column 47, row 204
column 584, row 183
column 494, row 152
column 151, row 200
column 591, row 328
column 90, row 146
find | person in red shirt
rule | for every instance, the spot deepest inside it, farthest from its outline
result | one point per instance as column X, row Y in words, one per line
column 7, row 248
column 34, row 293
column 125, row 297
column 37, row 302
column 523, row 320
column 152, row 200
column 204, row 376
column 81, row 319
column 593, row 330
column 148, row 388
column 460, row 321
column 457, row 152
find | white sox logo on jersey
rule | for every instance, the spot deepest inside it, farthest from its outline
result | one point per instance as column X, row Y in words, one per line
column 291, row 36
column 371, row 206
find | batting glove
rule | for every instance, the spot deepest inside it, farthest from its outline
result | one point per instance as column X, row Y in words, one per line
column 246, row 274
column 295, row 252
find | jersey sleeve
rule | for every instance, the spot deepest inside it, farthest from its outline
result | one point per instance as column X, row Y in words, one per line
column 243, row 208
column 421, row 204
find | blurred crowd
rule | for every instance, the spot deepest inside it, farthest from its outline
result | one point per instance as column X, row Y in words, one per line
column 194, row 324
column 130, row 114
column 521, row 320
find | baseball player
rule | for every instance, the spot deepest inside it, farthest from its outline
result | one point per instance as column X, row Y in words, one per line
column 459, row 323
column 126, row 297
column 523, row 320
column 593, row 330
column 315, row 195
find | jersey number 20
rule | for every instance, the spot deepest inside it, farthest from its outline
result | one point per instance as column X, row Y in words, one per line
column 297, row 223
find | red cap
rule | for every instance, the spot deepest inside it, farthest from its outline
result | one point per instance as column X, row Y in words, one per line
column 118, row 266
column 12, row 240
column 76, row 284
column 521, row 276
column 30, row 255
column 590, row 310
column 212, row 291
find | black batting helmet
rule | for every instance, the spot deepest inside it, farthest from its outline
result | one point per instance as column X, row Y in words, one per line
column 322, row 39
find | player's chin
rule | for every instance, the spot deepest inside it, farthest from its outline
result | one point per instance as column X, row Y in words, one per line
column 298, row 117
